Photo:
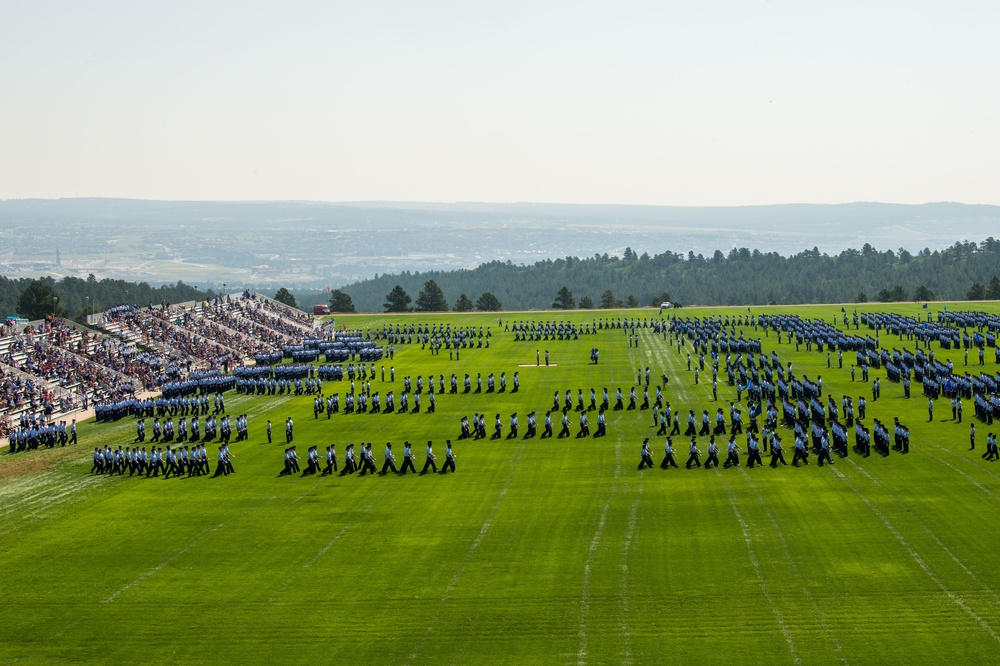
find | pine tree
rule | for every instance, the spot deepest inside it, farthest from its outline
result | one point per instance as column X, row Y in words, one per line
column 608, row 300
column 488, row 303
column 397, row 300
column 463, row 304
column 564, row 300
column 586, row 303
column 341, row 302
column 37, row 301
column 993, row 290
column 977, row 292
column 286, row 297
column 431, row 298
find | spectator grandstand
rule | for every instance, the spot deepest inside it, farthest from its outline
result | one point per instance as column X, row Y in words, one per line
column 52, row 367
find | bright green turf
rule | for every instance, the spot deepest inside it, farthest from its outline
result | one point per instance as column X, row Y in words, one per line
column 535, row 551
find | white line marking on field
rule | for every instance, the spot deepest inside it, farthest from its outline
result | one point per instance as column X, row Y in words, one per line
column 979, row 467
column 323, row 551
column 66, row 628
column 147, row 574
column 329, row 545
column 515, row 458
column 484, row 528
column 957, row 600
column 748, row 540
column 581, row 655
column 793, row 567
column 971, row 480
column 923, row 526
column 194, row 542
column 624, row 627
column 42, row 494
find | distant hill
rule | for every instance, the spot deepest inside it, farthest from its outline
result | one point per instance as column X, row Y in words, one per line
column 300, row 245
column 739, row 277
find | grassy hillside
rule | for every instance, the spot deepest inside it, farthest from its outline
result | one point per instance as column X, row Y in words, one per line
column 535, row 551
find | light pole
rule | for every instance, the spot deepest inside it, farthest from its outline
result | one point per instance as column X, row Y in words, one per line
column 88, row 306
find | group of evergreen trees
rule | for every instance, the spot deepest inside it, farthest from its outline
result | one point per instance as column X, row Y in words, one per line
column 75, row 297
column 430, row 299
column 977, row 292
column 741, row 277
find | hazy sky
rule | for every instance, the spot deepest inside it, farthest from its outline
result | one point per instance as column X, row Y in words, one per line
column 686, row 103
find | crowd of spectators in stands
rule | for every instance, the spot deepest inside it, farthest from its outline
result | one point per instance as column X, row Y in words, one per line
column 142, row 348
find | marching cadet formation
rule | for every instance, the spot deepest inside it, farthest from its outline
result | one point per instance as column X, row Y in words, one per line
column 178, row 461
column 772, row 393
column 364, row 462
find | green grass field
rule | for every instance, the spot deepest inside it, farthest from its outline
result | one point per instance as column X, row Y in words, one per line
column 553, row 551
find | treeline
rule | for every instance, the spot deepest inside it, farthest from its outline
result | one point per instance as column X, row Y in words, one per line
column 965, row 270
column 75, row 297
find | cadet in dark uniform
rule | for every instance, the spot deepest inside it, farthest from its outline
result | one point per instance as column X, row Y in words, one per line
column 776, row 452
column 645, row 455
column 733, row 455
column 668, row 455
column 691, row 430
column 548, row 425
column 331, row 461
column 824, row 450
column 564, row 432
column 449, row 458
column 407, row 460
column 753, row 453
column 369, row 461
column 800, row 452
column 991, row 448
column 704, row 424
column 430, row 460
column 695, row 455
column 713, row 453
column 390, row 461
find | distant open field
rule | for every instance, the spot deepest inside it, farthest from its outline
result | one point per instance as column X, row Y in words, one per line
column 535, row 551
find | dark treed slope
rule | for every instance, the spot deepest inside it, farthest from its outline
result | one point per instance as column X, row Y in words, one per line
column 740, row 277
column 76, row 297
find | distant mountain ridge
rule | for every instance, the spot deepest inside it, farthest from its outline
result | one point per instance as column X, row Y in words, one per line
column 307, row 244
